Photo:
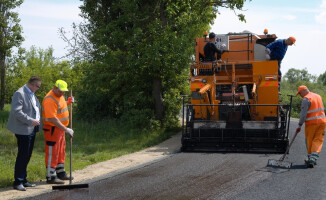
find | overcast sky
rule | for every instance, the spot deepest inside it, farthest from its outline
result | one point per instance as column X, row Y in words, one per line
column 305, row 20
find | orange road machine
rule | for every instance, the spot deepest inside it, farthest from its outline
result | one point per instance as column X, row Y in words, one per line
column 234, row 103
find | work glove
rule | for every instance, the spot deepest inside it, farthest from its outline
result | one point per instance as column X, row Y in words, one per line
column 298, row 130
column 71, row 100
column 268, row 57
column 70, row 132
column 268, row 51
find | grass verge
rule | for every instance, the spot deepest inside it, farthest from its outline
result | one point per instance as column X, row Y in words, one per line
column 93, row 142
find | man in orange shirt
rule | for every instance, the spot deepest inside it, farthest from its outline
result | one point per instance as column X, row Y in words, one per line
column 313, row 115
column 55, row 116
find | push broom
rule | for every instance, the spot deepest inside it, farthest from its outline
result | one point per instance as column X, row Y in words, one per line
column 281, row 163
column 70, row 186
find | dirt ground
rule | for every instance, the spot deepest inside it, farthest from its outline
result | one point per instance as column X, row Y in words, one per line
column 101, row 170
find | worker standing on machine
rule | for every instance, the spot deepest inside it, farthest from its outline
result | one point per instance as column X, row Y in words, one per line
column 210, row 49
column 277, row 50
column 313, row 115
column 56, row 119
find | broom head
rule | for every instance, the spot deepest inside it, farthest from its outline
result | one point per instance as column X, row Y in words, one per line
column 279, row 164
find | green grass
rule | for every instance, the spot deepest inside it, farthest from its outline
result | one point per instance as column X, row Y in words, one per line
column 291, row 89
column 92, row 143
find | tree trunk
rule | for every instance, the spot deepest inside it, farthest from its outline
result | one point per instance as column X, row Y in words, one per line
column 2, row 80
column 158, row 100
column 157, row 82
column 2, row 58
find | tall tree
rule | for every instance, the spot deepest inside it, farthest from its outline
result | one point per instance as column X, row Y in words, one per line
column 10, row 36
column 142, row 50
column 40, row 62
column 295, row 75
column 322, row 78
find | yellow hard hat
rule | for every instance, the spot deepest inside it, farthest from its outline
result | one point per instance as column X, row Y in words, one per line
column 62, row 85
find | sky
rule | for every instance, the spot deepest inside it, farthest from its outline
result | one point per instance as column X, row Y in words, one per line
column 41, row 20
column 305, row 20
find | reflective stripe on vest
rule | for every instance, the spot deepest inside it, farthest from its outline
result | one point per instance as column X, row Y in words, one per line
column 61, row 119
column 319, row 109
column 59, row 110
column 62, row 114
column 311, row 118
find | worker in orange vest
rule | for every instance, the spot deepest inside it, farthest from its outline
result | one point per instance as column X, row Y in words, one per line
column 313, row 115
column 56, row 119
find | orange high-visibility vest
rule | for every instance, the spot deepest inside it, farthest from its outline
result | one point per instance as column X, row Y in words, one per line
column 53, row 106
column 315, row 114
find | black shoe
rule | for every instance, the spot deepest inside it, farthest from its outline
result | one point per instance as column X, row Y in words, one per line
column 28, row 184
column 65, row 177
column 55, row 181
column 19, row 187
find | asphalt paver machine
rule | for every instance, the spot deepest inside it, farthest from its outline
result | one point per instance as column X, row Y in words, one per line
column 234, row 103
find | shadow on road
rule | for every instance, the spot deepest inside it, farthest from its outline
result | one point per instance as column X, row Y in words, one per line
column 299, row 166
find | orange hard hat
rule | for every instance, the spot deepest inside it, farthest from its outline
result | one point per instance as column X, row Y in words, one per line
column 301, row 87
column 205, row 33
column 292, row 39
column 265, row 31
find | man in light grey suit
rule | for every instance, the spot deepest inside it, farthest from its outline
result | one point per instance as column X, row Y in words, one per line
column 24, row 122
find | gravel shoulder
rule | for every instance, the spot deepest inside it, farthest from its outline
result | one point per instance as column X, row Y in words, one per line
column 102, row 170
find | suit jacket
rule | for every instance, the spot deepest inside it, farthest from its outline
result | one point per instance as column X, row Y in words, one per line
column 22, row 112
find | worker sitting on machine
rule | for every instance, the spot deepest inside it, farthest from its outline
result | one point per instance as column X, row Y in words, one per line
column 210, row 49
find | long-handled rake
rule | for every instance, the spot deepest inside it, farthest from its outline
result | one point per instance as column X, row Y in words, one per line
column 281, row 163
column 70, row 186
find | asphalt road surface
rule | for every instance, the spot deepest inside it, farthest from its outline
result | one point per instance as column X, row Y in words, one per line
column 211, row 176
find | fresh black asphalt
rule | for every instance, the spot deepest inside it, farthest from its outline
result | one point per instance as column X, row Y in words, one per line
column 211, row 176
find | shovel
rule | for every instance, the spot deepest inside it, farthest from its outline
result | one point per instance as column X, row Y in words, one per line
column 70, row 186
column 281, row 163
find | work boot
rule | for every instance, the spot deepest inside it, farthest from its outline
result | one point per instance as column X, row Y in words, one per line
column 307, row 161
column 64, row 176
column 54, row 180
column 310, row 163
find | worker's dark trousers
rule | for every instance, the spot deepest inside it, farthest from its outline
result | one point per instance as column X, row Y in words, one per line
column 25, row 148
